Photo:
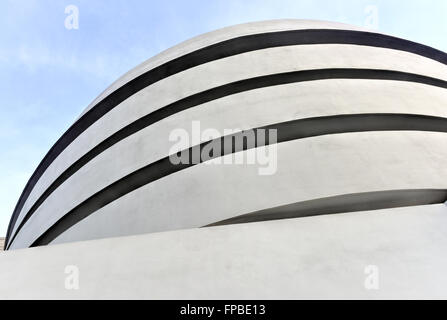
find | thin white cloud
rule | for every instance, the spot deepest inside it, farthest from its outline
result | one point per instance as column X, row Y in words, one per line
column 35, row 59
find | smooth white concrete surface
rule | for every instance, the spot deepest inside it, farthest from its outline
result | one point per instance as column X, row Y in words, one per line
column 255, row 108
column 247, row 110
column 223, row 71
column 322, row 257
column 307, row 169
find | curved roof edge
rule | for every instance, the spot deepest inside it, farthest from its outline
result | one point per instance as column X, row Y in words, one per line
column 216, row 36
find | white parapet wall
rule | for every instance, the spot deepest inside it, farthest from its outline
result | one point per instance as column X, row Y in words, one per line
column 382, row 254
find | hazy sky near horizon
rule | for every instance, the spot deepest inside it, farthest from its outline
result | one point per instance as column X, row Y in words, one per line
column 49, row 74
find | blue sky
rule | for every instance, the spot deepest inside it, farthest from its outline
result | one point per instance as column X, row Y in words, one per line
column 49, row 74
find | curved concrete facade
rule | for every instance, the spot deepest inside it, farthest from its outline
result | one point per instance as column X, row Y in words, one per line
column 361, row 119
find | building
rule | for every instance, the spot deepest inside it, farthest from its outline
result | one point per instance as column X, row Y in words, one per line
column 352, row 179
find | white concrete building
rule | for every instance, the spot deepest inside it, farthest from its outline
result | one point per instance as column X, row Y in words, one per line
column 346, row 202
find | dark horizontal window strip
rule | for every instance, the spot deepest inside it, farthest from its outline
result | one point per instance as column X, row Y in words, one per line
column 210, row 53
column 219, row 92
column 286, row 131
column 342, row 204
